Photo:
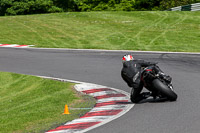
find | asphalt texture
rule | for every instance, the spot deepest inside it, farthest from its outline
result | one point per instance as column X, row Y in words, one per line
column 182, row 116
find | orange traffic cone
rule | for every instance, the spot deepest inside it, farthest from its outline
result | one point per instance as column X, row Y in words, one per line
column 66, row 111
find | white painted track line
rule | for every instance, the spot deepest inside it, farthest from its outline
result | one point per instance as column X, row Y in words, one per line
column 107, row 109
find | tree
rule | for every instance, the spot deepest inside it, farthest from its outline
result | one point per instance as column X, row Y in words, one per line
column 66, row 5
column 98, row 5
column 21, row 7
column 147, row 4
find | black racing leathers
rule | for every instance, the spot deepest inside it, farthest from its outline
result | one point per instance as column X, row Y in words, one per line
column 131, row 74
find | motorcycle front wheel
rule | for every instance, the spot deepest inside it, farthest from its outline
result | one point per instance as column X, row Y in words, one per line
column 164, row 90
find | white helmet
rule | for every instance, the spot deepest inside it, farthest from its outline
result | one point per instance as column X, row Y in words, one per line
column 127, row 58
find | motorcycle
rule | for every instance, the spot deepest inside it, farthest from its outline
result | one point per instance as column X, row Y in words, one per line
column 158, row 86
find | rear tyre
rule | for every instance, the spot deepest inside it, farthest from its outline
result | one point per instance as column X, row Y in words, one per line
column 164, row 90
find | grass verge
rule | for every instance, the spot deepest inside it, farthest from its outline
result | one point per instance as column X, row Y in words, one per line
column 32, row 104
column 139, row 30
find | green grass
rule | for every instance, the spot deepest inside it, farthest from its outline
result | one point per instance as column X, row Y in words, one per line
column 153, row 30
column 32, row 104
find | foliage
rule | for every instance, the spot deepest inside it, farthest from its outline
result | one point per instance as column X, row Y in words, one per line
column 166, row 4
column 161, row 4
column 125, row 5
column 129, row 5
column 147, row 4
column 98, row 5
column 66, row 5
column 21, row 7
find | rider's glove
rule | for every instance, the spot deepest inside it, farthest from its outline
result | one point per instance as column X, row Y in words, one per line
column 167, row 78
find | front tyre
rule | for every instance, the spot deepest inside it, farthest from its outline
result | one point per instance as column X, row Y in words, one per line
column 164, row 90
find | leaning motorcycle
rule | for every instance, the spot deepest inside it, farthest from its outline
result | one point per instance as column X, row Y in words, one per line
column 157, row 85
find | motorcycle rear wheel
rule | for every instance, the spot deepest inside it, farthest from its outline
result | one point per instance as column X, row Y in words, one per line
column 164, row 90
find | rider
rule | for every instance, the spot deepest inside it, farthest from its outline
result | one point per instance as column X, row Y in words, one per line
column 131, row 74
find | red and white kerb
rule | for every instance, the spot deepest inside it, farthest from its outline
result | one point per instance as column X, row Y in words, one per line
column 109, row 104
column 15, row 45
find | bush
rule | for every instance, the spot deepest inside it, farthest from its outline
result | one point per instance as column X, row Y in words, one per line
column 126, row 5
column 99, row 5
column 147, row 4
column 21, row 7
column 66, row 5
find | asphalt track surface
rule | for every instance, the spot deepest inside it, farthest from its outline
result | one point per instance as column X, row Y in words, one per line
column 182, row 116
